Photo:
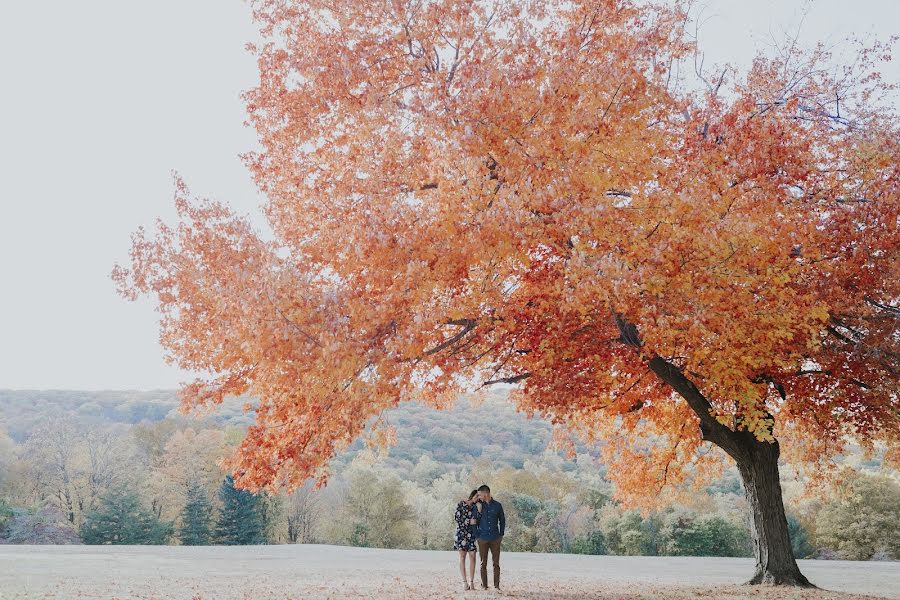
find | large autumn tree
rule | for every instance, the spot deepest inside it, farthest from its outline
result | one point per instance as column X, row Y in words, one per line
column 466, row 193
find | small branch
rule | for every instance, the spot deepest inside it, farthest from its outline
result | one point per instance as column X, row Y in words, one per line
column 840, row 335
column 427, row 186
column 302, row 331
column 852, row 380
column 778, row 387
column 513, row 379
column 652, row 231
column 892, row 309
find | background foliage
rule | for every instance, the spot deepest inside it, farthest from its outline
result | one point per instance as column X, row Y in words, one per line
column 136, row 471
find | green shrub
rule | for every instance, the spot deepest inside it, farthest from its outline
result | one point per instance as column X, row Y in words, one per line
column 862, row 522
column 592, row 543
column 688, row 534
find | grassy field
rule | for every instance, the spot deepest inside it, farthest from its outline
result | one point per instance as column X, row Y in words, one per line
column 286, row 572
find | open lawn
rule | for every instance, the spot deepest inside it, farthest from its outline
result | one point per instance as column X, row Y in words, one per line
column 313, row 571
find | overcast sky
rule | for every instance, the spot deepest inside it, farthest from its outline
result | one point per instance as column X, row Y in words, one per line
column 102, row 99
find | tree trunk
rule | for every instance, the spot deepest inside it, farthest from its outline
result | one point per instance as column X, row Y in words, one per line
column 775, row 563
column 758, row 464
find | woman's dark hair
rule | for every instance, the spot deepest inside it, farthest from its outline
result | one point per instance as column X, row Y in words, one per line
column 473, row 494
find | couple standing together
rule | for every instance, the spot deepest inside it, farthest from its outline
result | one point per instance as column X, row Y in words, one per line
column 480, row 523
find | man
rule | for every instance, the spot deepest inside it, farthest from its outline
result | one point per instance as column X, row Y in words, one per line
column 489, row 534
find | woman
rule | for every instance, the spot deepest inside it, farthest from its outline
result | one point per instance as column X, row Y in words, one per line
column 466, row 517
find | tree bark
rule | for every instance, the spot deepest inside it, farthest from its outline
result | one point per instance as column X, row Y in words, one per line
column 758, row 466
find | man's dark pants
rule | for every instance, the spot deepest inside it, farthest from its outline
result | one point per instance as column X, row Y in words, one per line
column 494, row 547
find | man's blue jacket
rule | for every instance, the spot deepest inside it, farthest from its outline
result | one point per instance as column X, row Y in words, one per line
column 492, row 523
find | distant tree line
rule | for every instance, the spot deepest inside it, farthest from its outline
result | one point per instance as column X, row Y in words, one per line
column 157, row 482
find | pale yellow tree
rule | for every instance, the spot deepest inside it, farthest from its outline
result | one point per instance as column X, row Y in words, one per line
column 71, row 467
column 189, row 455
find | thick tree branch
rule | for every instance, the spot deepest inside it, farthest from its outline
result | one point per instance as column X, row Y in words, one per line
column 467, row 326
column 710, row 428
column 628, row 332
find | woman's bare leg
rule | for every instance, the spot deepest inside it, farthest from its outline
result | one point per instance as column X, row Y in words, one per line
column 462, row 567
column 472, row 569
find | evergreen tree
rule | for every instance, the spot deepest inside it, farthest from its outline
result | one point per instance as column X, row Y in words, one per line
column 121, row 519
column 196, row 526
column 240, row 521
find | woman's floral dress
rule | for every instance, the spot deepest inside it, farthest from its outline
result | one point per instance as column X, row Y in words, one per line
column 465, row 531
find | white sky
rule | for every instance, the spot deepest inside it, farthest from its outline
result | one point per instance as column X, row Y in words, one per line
column 102, row 99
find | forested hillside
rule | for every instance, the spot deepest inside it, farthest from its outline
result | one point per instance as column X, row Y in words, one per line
column 22, row 410
column 453, row 438
column 69, row 459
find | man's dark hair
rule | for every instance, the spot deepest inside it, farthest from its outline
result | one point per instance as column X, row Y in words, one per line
column 484, row 488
